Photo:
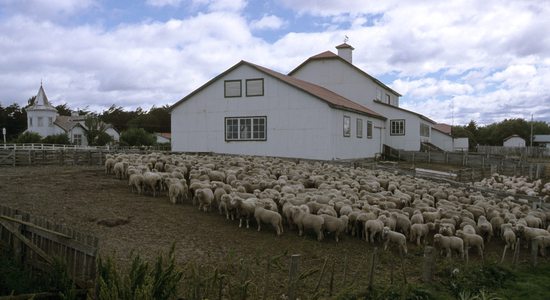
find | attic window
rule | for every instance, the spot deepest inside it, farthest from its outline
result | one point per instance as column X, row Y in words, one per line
column 254, row 87
column 388, row 98
column 232, row 88
column 347, row 126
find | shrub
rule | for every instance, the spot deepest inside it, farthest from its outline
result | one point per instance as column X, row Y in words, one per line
column 137, row 137
column 28, row 138
column 61, row 138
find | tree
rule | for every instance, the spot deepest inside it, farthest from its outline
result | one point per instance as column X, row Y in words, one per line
column 61, row 138
column 137, row 137
column 14, row 119
column 118, row 117
column 63, row 110
column 29, row 138
column 94, row 128
column 103, row 139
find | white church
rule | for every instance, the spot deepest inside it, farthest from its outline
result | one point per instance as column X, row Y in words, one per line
column 326, row 108
column 43, row 118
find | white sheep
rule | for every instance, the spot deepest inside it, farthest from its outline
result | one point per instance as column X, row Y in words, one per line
column 508, row 235
column 449, row 244
column 245, row 209
column 374, row 228
column 263, row 215
column 484, row 228
column 419, row 232
column 205, row 198
column 471, row 240
column 152, row 181
column 135, row 182
column 335, row 225
column 389, row 236
column 308, row 221
column 543, row 242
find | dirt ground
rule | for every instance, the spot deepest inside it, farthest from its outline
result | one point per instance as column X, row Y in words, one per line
column 81, row 196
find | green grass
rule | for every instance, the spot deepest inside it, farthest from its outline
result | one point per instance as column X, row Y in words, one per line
column 530, row 283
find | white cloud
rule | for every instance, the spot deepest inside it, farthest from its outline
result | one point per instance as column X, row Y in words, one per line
column 267, row 22
column 46, row 8
column 161, row 3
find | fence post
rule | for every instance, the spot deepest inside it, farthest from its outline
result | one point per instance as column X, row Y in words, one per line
column 534, row 252
column 371, row 271
column 293, row 275
column 266, row 279
column 14, row 160
column 17, row 244
column 429, row 263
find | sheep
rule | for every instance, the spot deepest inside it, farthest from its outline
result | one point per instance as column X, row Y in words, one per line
column 245, row 209
column 449, row 243
column 205, row 198
column 508, row 235
column 419, row 232
column 417, row 217
column 485, row 228
column 529, row 233
column 308, row 221
column 136, row 183
column 226, row 206
column 109, row 164
column 152, row 181
column 335, row 225
column 543, row 242
column 471, row 240
column 177, row 191
column 395, row 238
column 403, row 224
column 374, row 228
column 268, row 216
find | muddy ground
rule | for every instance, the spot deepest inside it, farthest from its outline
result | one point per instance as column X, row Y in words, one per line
column 81, row 196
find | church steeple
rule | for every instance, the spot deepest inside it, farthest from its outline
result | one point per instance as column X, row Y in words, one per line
column 41, row 101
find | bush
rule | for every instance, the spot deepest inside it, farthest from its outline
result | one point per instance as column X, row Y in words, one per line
column 28, row 138
column 61, row 138
column 137, row 137
column 103, row 139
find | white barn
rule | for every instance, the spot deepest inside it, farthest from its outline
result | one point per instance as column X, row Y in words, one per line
column 326, row 108
column 43, row 118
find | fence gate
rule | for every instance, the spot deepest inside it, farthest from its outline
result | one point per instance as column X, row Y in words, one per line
column 37, row 243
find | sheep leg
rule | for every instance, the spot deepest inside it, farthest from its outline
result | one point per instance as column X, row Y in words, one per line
column 240, row 222
column 247, row 223
column 259, row 223
column 503, row 253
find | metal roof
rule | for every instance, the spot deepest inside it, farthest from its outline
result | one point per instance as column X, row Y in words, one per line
column 41, row 101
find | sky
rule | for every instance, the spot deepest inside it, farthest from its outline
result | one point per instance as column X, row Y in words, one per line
column 453, row 61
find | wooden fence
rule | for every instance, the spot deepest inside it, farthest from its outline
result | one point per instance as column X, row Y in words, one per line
column 486, row 164
column 522, row 152
column 36, row 243
column 15, row 157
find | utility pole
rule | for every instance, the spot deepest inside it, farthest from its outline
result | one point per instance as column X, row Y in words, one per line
column 531, row 144
column 4, row 133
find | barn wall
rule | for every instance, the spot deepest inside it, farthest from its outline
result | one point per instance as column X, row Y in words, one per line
column 411, row 140
column 354, row 147
column 298, row 125
column 442, row 140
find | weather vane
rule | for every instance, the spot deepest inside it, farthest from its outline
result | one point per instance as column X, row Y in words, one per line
column 346, row 38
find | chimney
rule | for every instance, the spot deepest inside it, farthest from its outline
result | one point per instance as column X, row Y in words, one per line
column 344, row 51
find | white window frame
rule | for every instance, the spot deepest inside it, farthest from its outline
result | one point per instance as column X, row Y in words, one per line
column 369, row 130
column 397, row 127
column 40, row 121
column 388, row 98
column 245, row 128
column 347, row 126
column 30, row 121
column 225, row 85
column 251, row 81
column 359, row 128
column 424, row 130
column 50, row 121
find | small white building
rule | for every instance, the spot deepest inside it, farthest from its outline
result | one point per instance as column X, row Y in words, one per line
column 163, row 137
column 513, row 141
column 326, row 108
column 542, row 140
column 43, row 118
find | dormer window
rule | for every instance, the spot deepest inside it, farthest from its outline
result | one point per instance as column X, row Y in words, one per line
column 388, row 99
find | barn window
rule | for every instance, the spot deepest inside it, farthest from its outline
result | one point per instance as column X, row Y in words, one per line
column 77, row 139
column 254, row 87
column 388, row 98
column 359, row 125
column 424, row 130
column 397, row 127
column 369, row 130
column 245, row 129
column 40, row 121
column 232, row 88
column 347, row 126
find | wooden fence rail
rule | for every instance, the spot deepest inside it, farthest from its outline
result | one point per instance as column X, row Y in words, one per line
column 15, row 157
column 37, row 242
column 484, row 163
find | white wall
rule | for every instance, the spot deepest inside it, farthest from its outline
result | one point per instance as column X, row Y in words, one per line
column 461, row 144
column 442, row 140
column 45, row 129
column 113, row 133
column 343, row 79
column 411, row 140
column 514, row 142
column 298, row 124
column 78, row 130
column 353, row 146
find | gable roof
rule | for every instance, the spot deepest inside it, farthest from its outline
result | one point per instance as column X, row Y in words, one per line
column 513, row 136
column 331, row 98
column 41, row 101
column 541, row 138
column 331, row 55
column 67, row 122
column 442, row 127
column 423, row 117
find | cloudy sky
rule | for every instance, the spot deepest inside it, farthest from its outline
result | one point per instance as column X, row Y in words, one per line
column 453, row 61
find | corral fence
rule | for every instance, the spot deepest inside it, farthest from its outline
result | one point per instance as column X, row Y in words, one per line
column 17, row 157
column 40, row 146
column 37, row 243
column 522, row 152
column 476, row 165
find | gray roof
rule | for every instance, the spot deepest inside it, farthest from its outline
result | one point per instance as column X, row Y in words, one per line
column 541, row 138
column 41, row 102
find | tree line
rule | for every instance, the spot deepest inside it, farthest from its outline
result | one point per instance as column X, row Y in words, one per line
column 495, row 133
column 136, row 127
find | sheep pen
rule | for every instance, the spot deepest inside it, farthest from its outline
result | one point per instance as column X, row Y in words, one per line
column 83, row 196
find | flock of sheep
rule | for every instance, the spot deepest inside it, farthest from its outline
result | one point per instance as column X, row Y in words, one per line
column 328, row 199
